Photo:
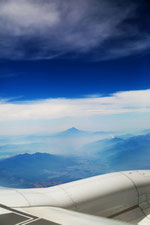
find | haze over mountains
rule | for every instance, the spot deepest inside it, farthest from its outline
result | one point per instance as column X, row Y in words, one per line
column 74, row 131
column 66, row 142
column 87, row 154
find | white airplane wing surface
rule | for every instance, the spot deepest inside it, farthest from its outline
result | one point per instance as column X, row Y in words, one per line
column 111, row 199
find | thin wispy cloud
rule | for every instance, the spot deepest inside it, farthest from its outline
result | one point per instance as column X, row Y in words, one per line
column 118, row 103
column 129, row 48
column 48, row 29
column 11, row 99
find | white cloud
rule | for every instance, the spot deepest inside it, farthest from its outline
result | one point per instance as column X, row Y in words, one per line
column 42, row 29
column 118, row 103
column 26, row 16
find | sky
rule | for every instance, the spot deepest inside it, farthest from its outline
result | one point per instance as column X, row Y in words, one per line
column 82, row 63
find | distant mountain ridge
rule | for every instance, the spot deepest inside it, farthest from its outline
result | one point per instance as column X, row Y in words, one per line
column 73, row 131
column 42, row 159
column 122, row 154
column 44, row 170
column 26, row 169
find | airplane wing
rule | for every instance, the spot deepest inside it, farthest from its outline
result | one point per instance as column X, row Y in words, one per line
column 111, row 199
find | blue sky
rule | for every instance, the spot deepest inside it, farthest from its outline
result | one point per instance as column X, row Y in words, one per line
column 80, row 63
column 28, row 80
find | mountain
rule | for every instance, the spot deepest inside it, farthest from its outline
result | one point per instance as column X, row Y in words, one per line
column 133, row 153
column 121, row 154
column 72, row 132
column 25, row 170
column 101, row 145
column 44, row 170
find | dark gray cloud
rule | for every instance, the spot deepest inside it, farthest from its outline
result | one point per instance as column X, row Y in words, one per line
column 45, row 29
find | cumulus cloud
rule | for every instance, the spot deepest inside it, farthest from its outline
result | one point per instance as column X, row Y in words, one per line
column 118, row 103
column 45, row 29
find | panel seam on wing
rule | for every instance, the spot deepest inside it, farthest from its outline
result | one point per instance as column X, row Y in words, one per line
column 136, row 188
column 69, row 196
column 23, row 197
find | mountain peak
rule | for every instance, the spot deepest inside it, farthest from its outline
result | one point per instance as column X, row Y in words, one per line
column 73, row 129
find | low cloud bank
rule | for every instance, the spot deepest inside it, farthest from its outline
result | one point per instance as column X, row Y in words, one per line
column 117, row 103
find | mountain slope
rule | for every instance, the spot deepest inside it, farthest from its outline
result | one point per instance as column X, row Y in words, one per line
column 44, row 170
column 26, row 169
column 122, row 154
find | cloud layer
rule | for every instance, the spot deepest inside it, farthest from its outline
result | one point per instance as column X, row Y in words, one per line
column 46, row 29
column 118, row 103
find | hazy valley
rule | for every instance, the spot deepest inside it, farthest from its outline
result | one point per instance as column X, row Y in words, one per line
column 41, row 161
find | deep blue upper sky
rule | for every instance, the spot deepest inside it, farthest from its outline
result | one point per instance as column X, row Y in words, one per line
column 73, row 50
column 64, row 78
